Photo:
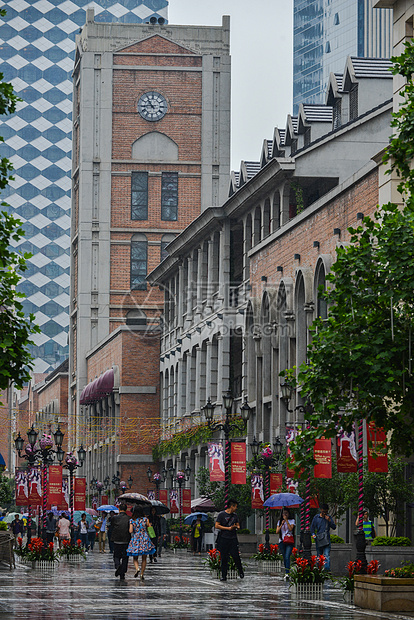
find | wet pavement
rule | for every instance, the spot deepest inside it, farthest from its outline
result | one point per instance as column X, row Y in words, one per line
column 178, row 587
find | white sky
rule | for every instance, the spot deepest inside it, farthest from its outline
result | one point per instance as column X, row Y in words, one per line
column 261, row 39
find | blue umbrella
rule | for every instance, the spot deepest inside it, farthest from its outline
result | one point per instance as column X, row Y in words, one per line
column 108, row 508
column 194, row 516
column 77, row 516
column 281, row 500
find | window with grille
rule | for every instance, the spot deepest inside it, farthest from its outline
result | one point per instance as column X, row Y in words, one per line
column 307, row 137
column 353, row 102
column 169, row 196
column 337, row 110
column 139, row 196
column 139, row 260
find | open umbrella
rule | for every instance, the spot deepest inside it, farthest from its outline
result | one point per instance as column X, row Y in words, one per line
column 160, row 508
column 108, row 508
column 10, row 517
column 135, row 498
column 194, row 516
column 91, row 511
column 203, row 503
column 281, row 500
column 77, row 516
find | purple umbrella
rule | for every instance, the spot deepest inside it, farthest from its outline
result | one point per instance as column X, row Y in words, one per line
column 281, row 500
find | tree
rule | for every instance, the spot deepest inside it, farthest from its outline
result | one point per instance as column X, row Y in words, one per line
column 15, row 327
column 360, row 358
column 6, row 491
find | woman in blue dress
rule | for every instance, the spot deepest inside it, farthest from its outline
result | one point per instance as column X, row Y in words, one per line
column 140, row 543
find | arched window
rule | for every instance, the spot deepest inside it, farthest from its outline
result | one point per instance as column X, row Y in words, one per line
column 320, row 281
column 139, row 262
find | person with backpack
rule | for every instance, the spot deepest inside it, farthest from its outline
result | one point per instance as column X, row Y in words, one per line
column 321, row 525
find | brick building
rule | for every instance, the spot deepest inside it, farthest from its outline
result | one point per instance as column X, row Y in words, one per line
column 150, row 152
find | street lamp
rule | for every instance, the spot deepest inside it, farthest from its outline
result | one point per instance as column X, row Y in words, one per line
column 72, row 464
column 130, row 481
column 227, row 426
column 158, row 479
column 123, row 486
column 41, row 453
column 180, row 478
column 115, row 481
column 268, row 458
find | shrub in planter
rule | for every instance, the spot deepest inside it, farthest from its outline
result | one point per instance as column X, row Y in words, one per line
column 3, row 526
column 308, row 571
column 405, row 571
column 244, row 531
column 180, row 544
column 67, row 550
column 36, row 550
column 267, row 556
column 354, row 568
column 337, row 540
column 391, row 541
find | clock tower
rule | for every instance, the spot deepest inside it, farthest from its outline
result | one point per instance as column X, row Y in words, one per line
column 151, row 151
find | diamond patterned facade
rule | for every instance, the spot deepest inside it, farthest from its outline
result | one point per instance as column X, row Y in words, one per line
column 36, row 52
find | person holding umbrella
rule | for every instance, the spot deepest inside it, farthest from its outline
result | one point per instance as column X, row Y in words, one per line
column 285, row 528
column 140, row 543
column 197, row 533
column 154, row 530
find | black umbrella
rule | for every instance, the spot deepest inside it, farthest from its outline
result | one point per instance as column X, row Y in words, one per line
column 160, row 508
column 135, row 498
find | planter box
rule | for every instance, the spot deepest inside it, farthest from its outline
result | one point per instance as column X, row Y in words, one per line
column 72, row 558
column 349, row 597
column 231, row 574
column 247, row 543
column 273, row 539
column 384, row 593
column 39, row 564
column 308, row 590
column 386, row 555
column 270, row 566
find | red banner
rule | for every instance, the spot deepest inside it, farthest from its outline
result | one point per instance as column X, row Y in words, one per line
column 291, row 434
column 346, row 454
column 22, row 494
column 216, row 461
column 55, row 485
column 322, row 453
column 34, row 483
column 163, row 496
column 257, row 491
column 186, row 501
column 174, row 501
column 276, row 483
column 238, row 462
column 104, row 500
column 377, row 449
column 80, row 493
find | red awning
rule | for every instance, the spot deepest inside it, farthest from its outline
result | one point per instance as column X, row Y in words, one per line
column 98, row 388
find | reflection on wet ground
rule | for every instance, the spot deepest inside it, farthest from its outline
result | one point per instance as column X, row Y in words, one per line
column 178, row 587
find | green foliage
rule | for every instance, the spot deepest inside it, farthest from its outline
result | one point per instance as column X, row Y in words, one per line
column 337, row 540
column 391, row 541
column 3, row 526
column 244, row 530
column 404, row 571
column 6, row 491
column 215, row 492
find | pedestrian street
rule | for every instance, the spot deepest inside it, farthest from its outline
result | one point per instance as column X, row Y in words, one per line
column 178, row 587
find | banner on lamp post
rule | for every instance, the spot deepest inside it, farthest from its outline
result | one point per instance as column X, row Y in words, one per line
column 238, row 462
column 22, row 492
column 64, row 502
column 186, row 501
column 346, row 453
column 104, row 500
column 322, row 453
column 55, row 485
column 174, row 509
column 377, row 449
column 80, row 493
column 216, row 461
column 276, row 483
column 257, row 491
column 163, row 495
column 151, row 494
column 34, row 484
column 291, row 434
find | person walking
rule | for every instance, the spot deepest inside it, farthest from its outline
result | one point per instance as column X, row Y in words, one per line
column 154, row 530
column 102, row 533
column 17, row 529
column 197, row 533
column 368, row 527
column 321, row 525
column 109, row 530
column 82, row 530
column 163, row 534
column 285, row 528
column 50, row 527
column 63, row 528
column 121, row 538
column 140, row 543
column 91, row 535
column 228, row 523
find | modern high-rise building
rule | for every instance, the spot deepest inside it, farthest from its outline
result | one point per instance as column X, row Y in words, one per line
column 325, row 32
column 37, row 43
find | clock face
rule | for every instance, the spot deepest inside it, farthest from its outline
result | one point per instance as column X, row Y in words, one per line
column 152, row 106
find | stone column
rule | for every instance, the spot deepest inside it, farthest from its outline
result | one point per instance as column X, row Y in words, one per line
column 210, row 274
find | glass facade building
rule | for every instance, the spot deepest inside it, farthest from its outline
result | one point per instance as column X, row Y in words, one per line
column 325, row 32
column 36, row 55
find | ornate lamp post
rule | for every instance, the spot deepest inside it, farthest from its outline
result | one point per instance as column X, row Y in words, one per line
column 99, row 487
column 158, row 479
column 180, row 478
column 115, row 481
column 41, row 453
column 72, row 464
column 123, row 486
column 227, row 427
column 130, row 481
column 268, row 458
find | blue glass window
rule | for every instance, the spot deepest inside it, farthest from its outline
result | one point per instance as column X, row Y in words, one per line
column 27, row 211
column 28, row 172
column 52, row 270
column 29, row 114
column 56, row 35
column 54, row 115
column 53, row 212
column 53, row 231
column 139, row 258
column 169, row 196
column 54, row 173
column 29, row 94
column 30, row 34
column 55, row 54
column 51, row 289
column 30, row 14
column 54, row 95
column 27, row 191
column 139, row 196
column 7, row 51
column 51, row 308
column 54, row 134
column 55, row 75
column 29, row 133
column 30, row 73
column 51, row 329
column 51, row 250
column 30, row 230
column 55, row 16
column 30, row 52
column 53, row 192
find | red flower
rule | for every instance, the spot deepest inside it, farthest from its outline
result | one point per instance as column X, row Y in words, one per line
column 20, row 540
column 321, row 562
column 295, row 552
column 79, row 542
column 313, row 562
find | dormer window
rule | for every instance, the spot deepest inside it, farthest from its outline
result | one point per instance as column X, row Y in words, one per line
column 336, row 113
column 353, row 102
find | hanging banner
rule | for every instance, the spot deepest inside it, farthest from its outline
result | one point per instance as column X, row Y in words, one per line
column 174, row 501
column 64, row 503
column 151, row 494
column 80, row 493
column 291, row 434
column 276, row 483
column 34, row 483
column 292, row 485
column 346, row 454
column 322, row 453
column 55, row 485
column 377, row 449
column 238, row 462
column 163, row 496
column 22, row 493
column 186, row 501
column 257, row 491
column 216, row 461
column 104, row 500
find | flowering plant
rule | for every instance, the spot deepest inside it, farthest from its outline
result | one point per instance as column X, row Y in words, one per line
column 157, row 476
column 180, row 475
column 213, row 561
column 407, row 571
column 264, row 555
column 372, row 568
column 46, row 442
column 180, row 544
column 267, row 452
column 308, row 571
column 71, row 459
column 68, row 549
column 353, row 568
column 19, row 550
column 37, row 550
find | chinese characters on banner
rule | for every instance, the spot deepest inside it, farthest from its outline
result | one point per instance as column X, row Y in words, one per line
column 377, row 449
column 80, row 493
column 186, row 501
column 174, row 501
column 346, row 454
column 163, row 495
column 276, row 483
column 216, row 461
column 55, row 485
column 238, row 462
column 257, row 491
column 322, row 453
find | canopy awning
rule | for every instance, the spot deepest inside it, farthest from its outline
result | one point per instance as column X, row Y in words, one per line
column 98, row 388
